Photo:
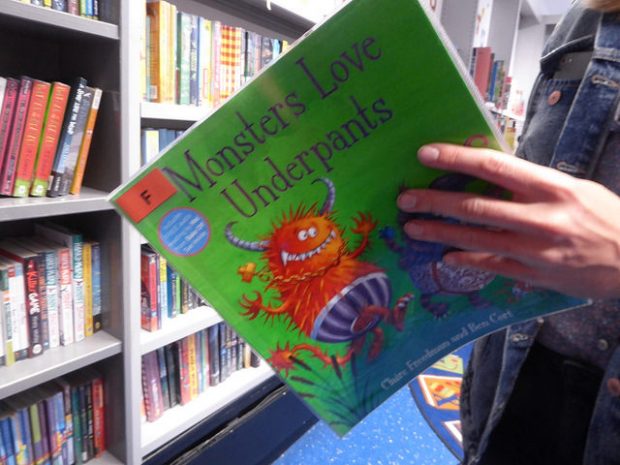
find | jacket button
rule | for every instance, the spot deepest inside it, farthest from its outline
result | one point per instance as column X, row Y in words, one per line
column 613, row 386
column 518, row 337
column 554, row 97
column 602, row 345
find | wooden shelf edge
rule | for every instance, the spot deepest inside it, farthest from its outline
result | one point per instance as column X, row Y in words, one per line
column 177, row 328
column 180, row 418
column 58, row 19
column 57, row 362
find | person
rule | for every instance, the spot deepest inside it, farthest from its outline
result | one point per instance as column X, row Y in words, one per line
column 546, row 391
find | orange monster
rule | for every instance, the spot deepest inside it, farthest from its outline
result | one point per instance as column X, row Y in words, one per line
column 328, row 293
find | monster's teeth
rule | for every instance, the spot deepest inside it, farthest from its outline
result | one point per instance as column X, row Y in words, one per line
column 284, row 258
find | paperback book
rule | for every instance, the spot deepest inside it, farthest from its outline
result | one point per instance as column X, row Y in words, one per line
column 280, row 210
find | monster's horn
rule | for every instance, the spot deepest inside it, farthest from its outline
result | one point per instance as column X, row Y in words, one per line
column 328, row 206
column 259, row 246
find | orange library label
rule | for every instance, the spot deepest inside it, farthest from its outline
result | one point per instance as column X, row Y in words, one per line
column 146, row 195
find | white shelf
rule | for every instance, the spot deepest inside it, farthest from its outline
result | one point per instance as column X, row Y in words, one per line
column 163, row 112
column 57, row 362
column 177, row 328
column 105, row 459
column 89, row 200
column 180, row 418
column 18, row 12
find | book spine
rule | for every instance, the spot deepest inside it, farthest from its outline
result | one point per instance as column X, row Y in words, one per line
column 83, row 412
column 18, row 294
column 78, row 287
column 52, row 298
column 2, row 331
column 184, row 375
column 44, row 432
column 30, row 140
column 170, row 73
column 7, row 113
column 68, row 412
column 13, row 426
column 193, row 60
column 153, row 400
column 77, row 424
column 96, row 277
column 7, row 440
column 163, row 289
column 90, row 420
column 59, row 409
column 65, row 297
column 9, row 167
column 78, row 178
column 205, row 357
column 43, row 300
column 98, row 416
column 82, row 7
column 88, row 288
column 66, row 137
column 158, row 49
column 7, row 318
column 216, row 36
column 24, row 425
column 60, row 5
column 200, row 362
column 172, row 370
column 33, row 307
column 204, row 61
column 214, row 355
column 53, row 430
column 149, row 292
column 50, row 136
column 163, row 378
column 193, row 366
column 37, row 439
column 66, row 178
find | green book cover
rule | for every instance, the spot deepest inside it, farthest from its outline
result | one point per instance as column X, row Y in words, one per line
column 280, row 209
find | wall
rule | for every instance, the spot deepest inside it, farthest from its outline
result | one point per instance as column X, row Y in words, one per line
column 525, row 65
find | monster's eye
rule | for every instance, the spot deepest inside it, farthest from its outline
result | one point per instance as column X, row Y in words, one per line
column 312, row 232
column 302, row 235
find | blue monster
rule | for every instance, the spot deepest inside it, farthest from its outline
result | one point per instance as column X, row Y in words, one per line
column 423, row 260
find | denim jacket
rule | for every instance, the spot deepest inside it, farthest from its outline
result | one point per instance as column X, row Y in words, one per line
column 582, row 132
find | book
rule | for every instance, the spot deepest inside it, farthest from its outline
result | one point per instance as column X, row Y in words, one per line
column 19, row 313
column 78, row 175
column 482, row 69
column 7, row 112
column 280, row 209
column 79, row 131
column 32, row 136
column 148, row 284
column 55, row 113
column 7, row 318
column 87, row 258
column 153, row 400
column 74, row 243
column 31, row 264
column 183, row 52
column 9, row 163
column 66, row 137
column 97, row 290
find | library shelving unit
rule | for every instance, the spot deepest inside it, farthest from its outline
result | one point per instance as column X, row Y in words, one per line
column 52, row 45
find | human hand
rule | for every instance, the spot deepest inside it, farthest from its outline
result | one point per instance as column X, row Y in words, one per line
column 558, row 232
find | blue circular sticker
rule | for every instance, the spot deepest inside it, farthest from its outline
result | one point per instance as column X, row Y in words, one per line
column 184, row 232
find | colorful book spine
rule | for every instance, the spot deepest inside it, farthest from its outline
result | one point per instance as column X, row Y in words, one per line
column 7, row 113
column 98, row 416
column 77, row 424
column 229, row 60
column 164, row 311
column 96, row 278
column 65, row 286
column 66, row 137
column 17, row 287
column 184, row 33
column 193, row 61
column 184, row 371
column 9, row 166
column 6, row 438
column 50, row 136
column 216, row 41
column 149, row 320
column 7, row 316
column 78, row 178
column 66, row 178
column 193, row 367
column 60, row 5
column 31, row 137
column 153, row 400
column 158, row 46
column 204, row 61
column 68, row 412
column 90, row 420
column 36, row 433
column 170, row 76
column 52, row 297
column 43, row 300
column 88, row 288
column 163, row 378
column 172, row 371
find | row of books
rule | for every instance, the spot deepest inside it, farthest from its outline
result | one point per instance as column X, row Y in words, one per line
column 46, row 131
column 179, row 372
column 490, row 77
column 190, row 60
column 165, row 295
column 154, row 141
column 50, row 291
column 86, row 8
column 58, row 423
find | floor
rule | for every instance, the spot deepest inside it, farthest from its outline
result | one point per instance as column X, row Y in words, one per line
column 394, row 434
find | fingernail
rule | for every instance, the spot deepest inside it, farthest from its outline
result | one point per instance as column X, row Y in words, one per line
column 407, row 201
column 414, row 229
column 428, row 153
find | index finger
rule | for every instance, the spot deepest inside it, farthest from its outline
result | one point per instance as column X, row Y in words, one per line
column 512, row 173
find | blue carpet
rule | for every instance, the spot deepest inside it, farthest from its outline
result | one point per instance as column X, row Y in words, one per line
column 395, row 434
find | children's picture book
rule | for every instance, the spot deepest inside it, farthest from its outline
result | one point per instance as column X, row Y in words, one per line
column 280, row 210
